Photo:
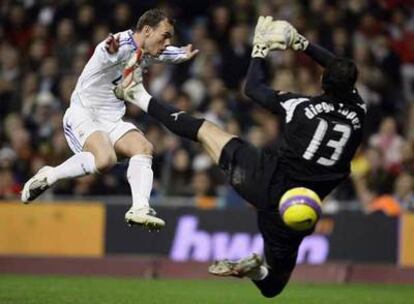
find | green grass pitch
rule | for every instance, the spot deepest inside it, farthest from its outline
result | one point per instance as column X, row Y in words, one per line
column 16, row 289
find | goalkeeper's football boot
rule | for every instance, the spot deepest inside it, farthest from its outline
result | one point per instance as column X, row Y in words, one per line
column 145, row 217
column 241, row 268
column 36, row 185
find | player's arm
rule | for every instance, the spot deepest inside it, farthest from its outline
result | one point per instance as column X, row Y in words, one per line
column 319, row 54
column 269, row 35
column 111, row 50
column 256, row 87
column 273, row 100
column 174, row 54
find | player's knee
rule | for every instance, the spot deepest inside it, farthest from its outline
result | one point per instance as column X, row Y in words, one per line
column 147, row 148
column 105, row 161
column 140, row 146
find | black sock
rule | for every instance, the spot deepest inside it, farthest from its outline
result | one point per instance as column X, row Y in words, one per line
column 272, row 285
column 175, row 120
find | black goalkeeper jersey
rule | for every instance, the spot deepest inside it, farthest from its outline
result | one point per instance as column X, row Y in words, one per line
column 321, row 134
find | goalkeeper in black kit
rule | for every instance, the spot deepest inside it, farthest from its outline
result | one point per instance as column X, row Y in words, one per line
column 320, row 136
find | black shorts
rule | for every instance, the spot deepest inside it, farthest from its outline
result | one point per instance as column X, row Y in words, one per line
column 249, row 170
column 255, row 176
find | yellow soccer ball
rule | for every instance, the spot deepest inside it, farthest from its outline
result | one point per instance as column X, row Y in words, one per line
column 300, row 208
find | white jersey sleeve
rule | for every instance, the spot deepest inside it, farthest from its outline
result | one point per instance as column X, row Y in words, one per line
column 172, row 54
column 109, row 59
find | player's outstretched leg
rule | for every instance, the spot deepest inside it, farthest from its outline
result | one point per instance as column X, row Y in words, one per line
column 131, row 89
column 80, row 164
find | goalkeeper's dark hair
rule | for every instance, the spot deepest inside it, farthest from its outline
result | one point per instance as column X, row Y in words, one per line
column 339, row 77
column 152, row 18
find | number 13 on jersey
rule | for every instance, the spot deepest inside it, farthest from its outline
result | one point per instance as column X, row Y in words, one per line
column 337, row 145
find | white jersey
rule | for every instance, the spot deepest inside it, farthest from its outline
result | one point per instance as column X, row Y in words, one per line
column 103, row 70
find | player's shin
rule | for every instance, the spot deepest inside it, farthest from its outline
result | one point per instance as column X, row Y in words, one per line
column 80, row 164
column 178, row 122
column 140, row 177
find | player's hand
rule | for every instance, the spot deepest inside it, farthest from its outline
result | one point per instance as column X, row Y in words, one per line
column 189, row 52
column 300, row 43
column 262, row 33
column 131, row 77
column 282, row 35
column 112, row 44
column 276, row 35
column 291, row 37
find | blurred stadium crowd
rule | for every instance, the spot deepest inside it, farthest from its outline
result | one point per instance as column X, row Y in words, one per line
column 45, row 44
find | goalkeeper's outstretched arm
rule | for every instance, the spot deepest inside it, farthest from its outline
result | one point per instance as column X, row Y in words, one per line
column 316, row 52
column 269, row 35
column 319, row 54
column 256, row 87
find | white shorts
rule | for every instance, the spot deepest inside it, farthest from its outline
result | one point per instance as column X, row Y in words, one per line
column 80, row 122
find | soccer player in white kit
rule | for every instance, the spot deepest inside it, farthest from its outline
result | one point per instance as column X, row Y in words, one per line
column 93, row 124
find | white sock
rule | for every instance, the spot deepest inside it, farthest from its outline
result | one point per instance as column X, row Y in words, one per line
column 258, row 274
column 142, row 98
column 80, row 164
column 140, row 178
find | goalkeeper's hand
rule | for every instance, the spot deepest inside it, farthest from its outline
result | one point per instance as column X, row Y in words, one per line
column 300, row 43
column 293, row 40
column 262, row 36
column 271, row 35
column 285, row 35
column 131, row 78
